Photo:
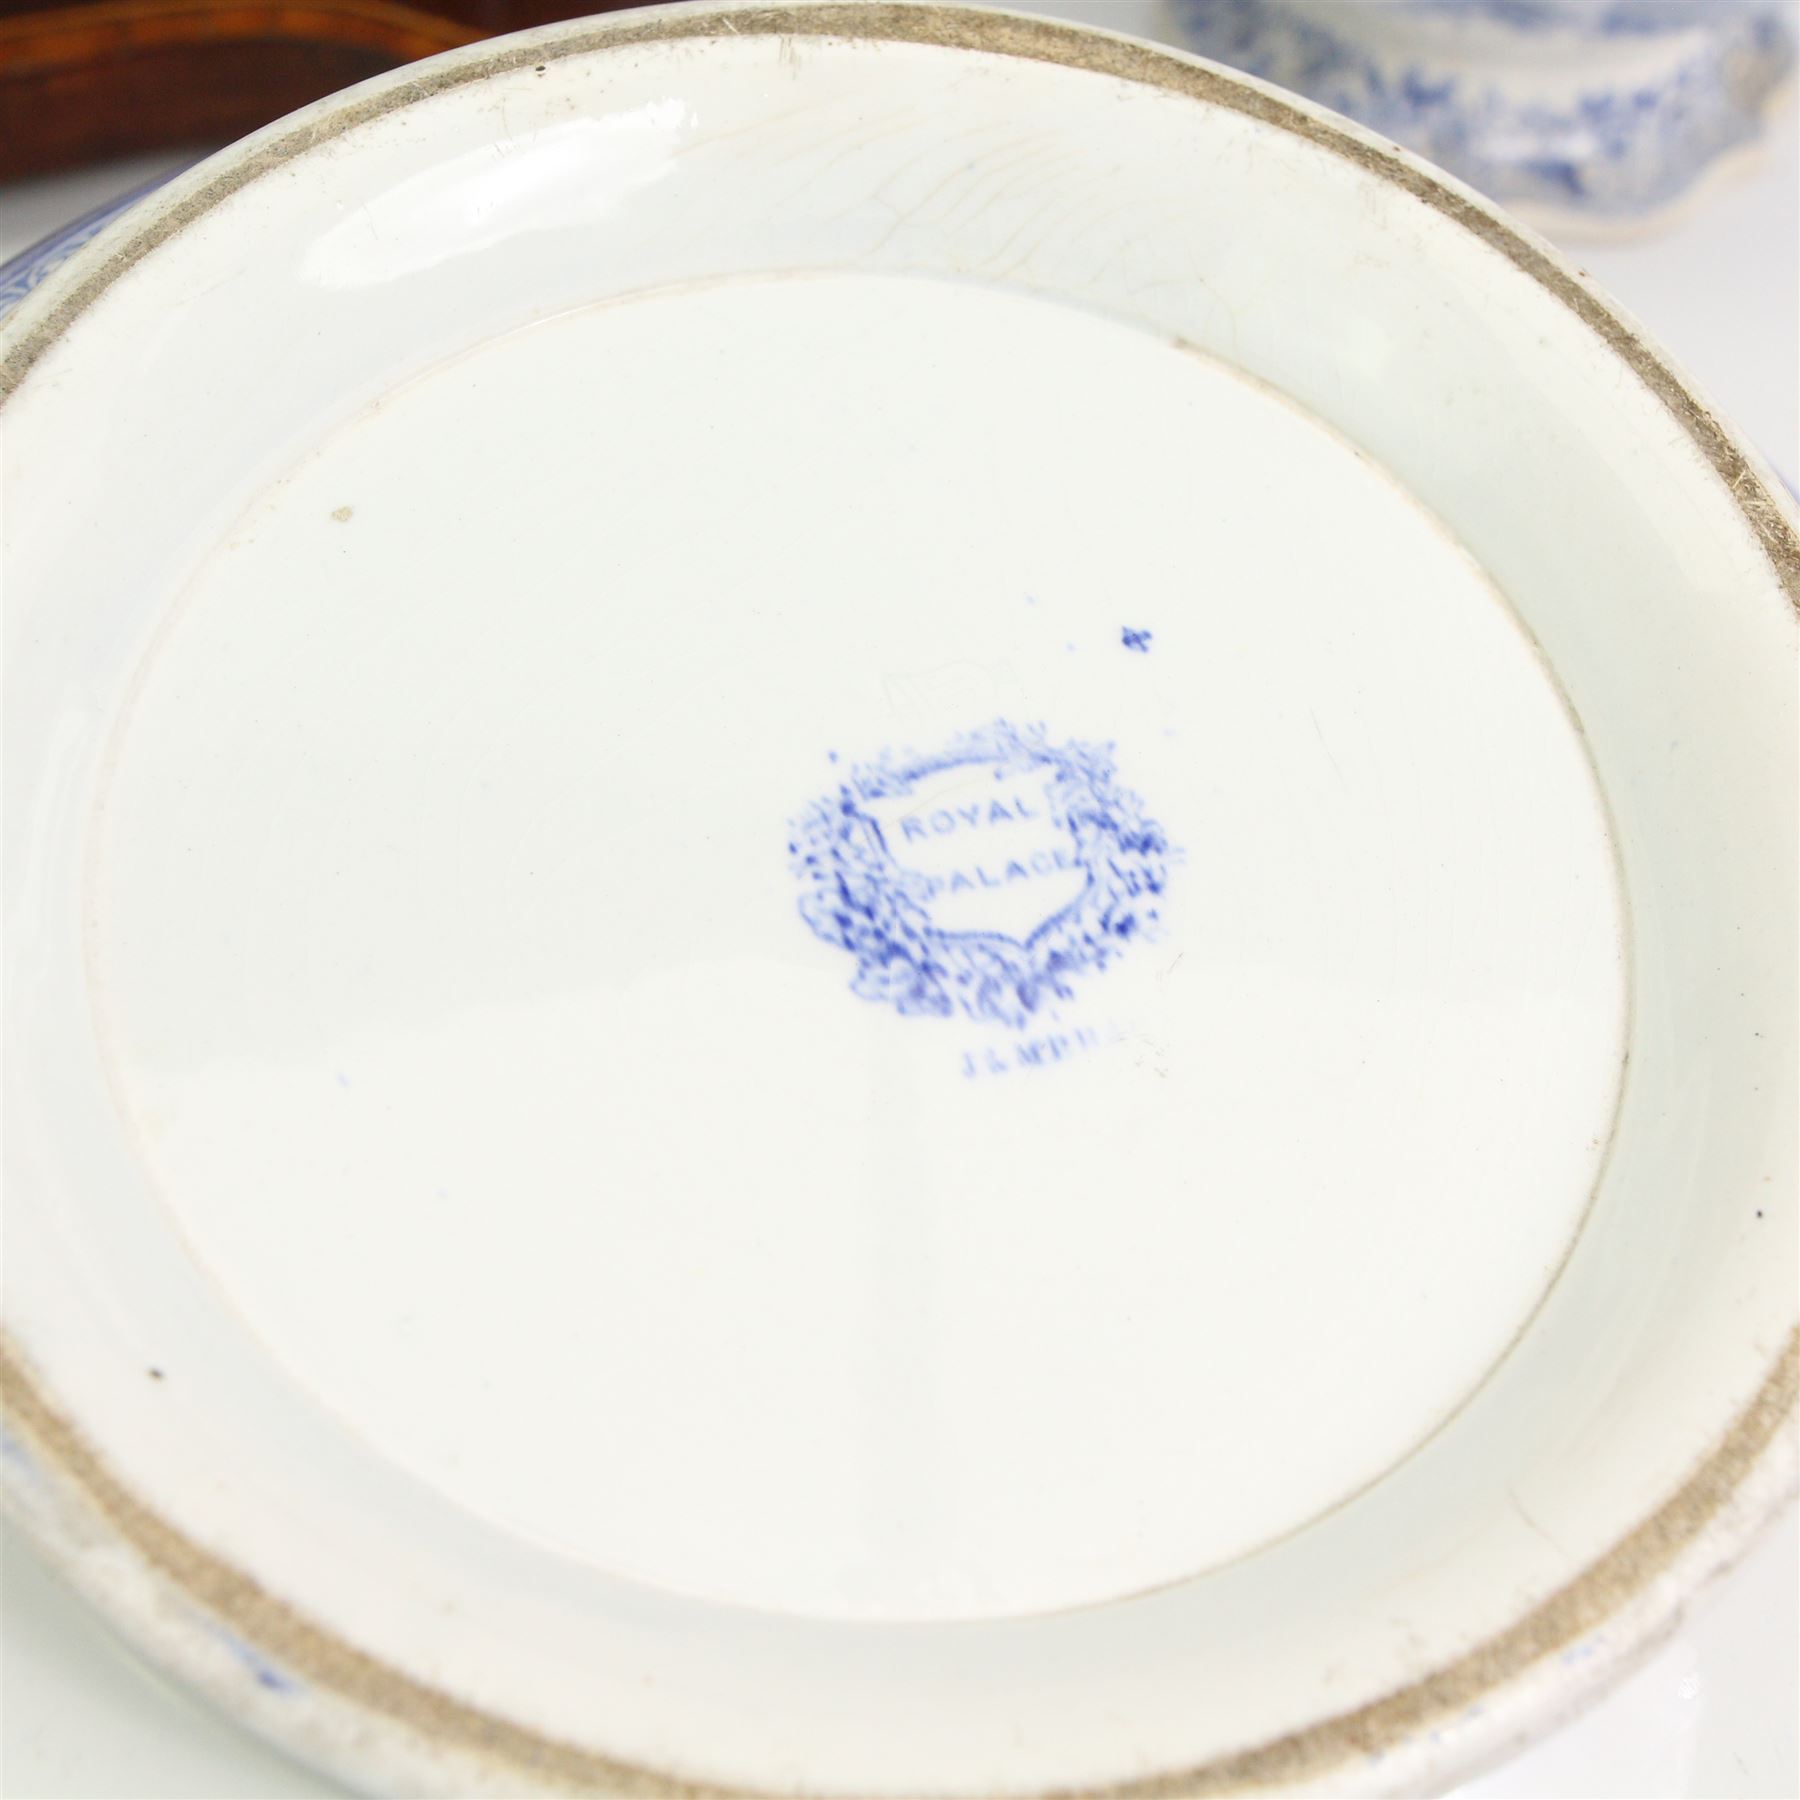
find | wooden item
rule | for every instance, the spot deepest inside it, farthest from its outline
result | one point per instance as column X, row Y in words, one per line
column 79, row 84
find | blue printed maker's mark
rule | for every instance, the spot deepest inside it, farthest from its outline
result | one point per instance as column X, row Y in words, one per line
column 982, row 879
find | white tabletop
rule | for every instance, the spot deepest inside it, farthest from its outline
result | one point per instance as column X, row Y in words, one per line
column 1713, row 1712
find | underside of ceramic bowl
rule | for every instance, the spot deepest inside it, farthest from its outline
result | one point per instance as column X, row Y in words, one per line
column 898, row 903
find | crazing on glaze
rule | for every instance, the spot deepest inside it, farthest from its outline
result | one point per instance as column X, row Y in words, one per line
column 984, row 878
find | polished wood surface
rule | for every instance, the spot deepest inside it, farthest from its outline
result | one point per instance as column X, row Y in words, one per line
column 84, row 82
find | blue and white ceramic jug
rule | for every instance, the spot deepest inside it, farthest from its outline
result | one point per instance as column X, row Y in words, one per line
column 1596, row 110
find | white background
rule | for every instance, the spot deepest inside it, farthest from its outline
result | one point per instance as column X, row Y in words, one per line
column 1712, row 1713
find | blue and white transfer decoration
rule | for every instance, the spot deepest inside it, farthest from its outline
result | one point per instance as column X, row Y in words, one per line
column 31, row 268
column 985, row 879
column 1586, row 109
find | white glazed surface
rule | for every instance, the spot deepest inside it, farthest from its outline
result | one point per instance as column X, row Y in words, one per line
column 1630, row 1345
column 1712, row 1712
column 958, row 1345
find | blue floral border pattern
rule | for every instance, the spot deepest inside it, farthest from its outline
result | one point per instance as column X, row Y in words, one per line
column 1614, row 151
column 858, row 897
column 31, row 268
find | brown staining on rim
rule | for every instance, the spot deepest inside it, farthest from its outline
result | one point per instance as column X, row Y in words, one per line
column 364, row 1681
column 317, row 1656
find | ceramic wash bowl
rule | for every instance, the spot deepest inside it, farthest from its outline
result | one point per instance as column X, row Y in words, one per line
column 898, row 903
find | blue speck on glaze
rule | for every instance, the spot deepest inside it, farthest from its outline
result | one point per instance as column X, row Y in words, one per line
column 1136, row 640
column 343, row 1080
column 263, row 1672
column 858, row 896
